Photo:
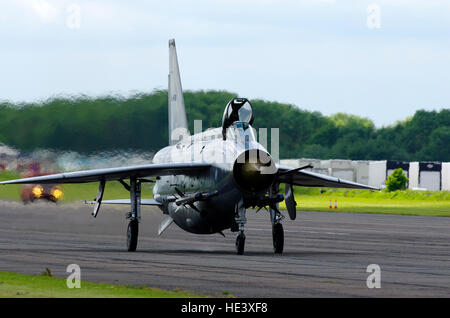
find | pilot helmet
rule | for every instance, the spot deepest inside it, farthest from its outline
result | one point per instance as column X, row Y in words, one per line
column 237, row 109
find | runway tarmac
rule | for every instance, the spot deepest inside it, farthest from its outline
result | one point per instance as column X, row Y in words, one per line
column 326, row 254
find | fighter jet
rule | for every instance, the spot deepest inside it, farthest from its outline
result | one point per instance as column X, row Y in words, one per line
column 204, row 182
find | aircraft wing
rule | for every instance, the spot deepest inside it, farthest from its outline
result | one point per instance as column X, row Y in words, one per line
column 305, row 178
column 111, row 174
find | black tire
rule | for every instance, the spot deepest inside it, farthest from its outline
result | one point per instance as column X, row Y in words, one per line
column 132, row 235
column 240, row 244
column 278, row 238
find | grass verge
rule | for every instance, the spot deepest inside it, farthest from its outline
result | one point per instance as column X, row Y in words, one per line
column 408, row 202
column 13, row 285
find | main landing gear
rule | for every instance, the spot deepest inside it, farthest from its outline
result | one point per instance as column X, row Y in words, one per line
column 277, row 229
column 240, row 243
column 278, row 238
column 239, row 226
column 132, row 235
column 134, row 216
column 275, row 219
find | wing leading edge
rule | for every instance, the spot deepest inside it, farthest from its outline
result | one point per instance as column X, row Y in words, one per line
column 311, row 179
column 112, row 174
column 285, row 175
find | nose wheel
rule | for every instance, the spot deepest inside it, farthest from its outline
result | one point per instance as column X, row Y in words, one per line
column 278, row 238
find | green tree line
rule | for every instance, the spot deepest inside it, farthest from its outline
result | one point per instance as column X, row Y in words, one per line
column 139, row 122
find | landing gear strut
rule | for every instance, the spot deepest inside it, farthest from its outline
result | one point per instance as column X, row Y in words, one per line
column 277, row 227
column 135, row 215
column 240, row 221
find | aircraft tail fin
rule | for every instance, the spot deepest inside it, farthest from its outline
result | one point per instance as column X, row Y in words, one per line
column 178, row 125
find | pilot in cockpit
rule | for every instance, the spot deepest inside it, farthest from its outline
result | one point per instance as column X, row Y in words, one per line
column 237, row 118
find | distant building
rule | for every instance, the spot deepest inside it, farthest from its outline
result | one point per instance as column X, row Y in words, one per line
column 422, row 175
column 426, row 175
column 445, row 173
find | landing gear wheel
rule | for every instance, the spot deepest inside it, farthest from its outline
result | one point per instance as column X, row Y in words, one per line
column 132, row 235
column 278, row 238
column 240, row 243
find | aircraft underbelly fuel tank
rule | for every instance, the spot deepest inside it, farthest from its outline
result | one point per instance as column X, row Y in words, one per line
column 198, row 205
column 212, row 216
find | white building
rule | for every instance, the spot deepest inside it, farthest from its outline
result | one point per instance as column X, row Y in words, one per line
column 428, row 176
column 445, row 173
column 422, row 175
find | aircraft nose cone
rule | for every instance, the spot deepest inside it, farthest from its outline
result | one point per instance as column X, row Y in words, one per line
column 254, row 171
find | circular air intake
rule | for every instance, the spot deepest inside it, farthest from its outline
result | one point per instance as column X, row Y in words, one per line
column 254, row 171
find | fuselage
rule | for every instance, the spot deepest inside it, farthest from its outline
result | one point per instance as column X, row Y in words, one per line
column 216, row 213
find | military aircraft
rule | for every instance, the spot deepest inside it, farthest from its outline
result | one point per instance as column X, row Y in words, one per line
column 204, row 182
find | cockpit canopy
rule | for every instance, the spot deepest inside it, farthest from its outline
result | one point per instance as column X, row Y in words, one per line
column 237, row 110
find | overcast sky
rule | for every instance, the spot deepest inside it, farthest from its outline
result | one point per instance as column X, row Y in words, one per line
column 378, row 59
